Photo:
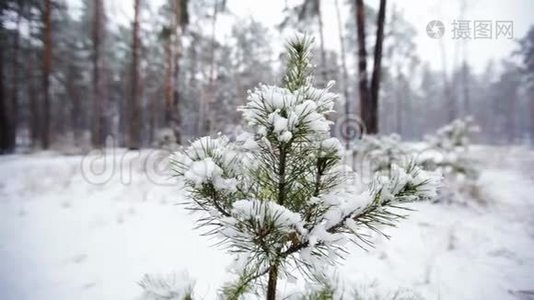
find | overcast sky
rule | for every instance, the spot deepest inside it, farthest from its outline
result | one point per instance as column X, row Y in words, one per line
column 417, row 12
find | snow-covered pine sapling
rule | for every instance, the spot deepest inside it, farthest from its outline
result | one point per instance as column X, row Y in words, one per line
column 449, row 154
column 383, row 152
column 279, row 197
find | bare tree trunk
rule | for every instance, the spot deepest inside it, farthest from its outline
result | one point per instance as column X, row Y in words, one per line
column 362, row 65
column 75, row 111
column 14, row 115
column 169, row 82
column 134, row 141
column 465, row 86
column 35, row 114
column 5, row 146
column 47, row 68
column 321, row 40
column 375, row 79
column 99, row 85
column 343, row 67
column 208, row 105
column 172, row 73
column 399, row 92
column 177, row 32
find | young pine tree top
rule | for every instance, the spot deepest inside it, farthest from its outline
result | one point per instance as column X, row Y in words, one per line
column 279, row 197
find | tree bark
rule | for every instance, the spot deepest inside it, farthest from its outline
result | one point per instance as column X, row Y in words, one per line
column 343, row 67
column 4, row 124
column 207, row 114
column 177, row 32
column 35, row 114
column 375, row 80
column 169, row 82
column 134, row 141
column 99, row 94
column 47, row 67
column 14, row 115
column 321, row 41
column 362, row 65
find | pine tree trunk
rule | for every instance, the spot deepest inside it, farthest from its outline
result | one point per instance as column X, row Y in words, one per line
column 99, row 93
column 173, row 51
column 15, row 87
column 362, row 65
column 399, row 104
column 271, row 284
column 169, row 84
column 4, row 125
column 208, row 105
column 343, row 67
column 47, row 67
column 134, row 141
column 177, row 31
column 321, row 38
column 375, row 80
column 35, row 115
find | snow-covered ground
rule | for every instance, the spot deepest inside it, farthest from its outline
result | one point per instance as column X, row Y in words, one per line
column 64, row 237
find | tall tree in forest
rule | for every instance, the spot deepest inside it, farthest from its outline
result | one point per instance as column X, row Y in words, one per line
column 207, row 116
column 134, row 140
column 526, row 50
column 369, row 95
column 179, row 19
column 4, row 124
column 312, row 8
column 363, row 85
column 377, row 68
column 5, row 146
column 47, row 68
column 99, row 85
column 14, row 113
column 34, row 121
column 343, row 61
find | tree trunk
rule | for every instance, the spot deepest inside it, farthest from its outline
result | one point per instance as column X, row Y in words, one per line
column 465, row 87
column 343, row 67
column 206, row 107
column 99, row 94
column 177, row 32
column 362, row 65
column 271, row 284
column 324, row 74
column 47, row 68
column 14, row 117
column 399, row 103
column 35, row 114
column 169, row 83
column 173, row 51
column 375, row 80
column 4, row 124
column 134, row 141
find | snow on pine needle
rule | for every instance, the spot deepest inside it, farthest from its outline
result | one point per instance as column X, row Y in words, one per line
column 279, row 196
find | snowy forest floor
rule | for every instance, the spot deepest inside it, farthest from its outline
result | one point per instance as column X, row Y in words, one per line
column 62, row 237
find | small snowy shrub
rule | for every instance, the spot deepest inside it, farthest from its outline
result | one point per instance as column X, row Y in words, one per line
column 449, row 149
column 279, row 197
column 382, row 152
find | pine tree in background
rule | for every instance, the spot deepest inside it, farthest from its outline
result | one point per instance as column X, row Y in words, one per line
column 279, row 197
